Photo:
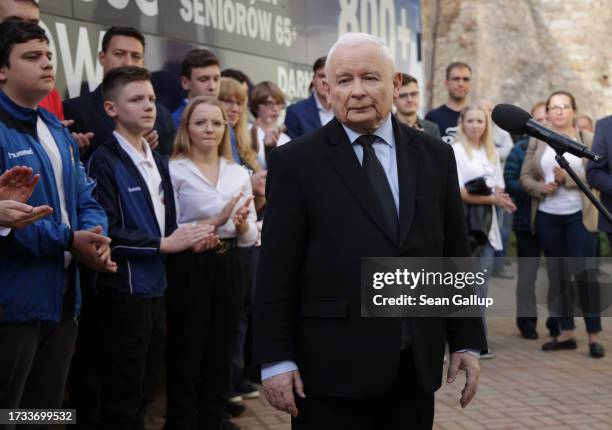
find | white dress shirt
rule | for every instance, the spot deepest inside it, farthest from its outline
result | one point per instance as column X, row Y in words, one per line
column 324, row 115
column 198, row 199
column 148, row 169
column 50, row 146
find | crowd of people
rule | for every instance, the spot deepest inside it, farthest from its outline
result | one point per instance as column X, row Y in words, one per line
column 144, row 225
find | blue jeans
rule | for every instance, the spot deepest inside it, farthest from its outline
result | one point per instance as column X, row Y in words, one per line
column 566, row 236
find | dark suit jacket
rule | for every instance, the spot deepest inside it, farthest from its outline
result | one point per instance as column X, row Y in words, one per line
column 88, row 114
column 302, row 117
column 321, row 217
column 599, row 174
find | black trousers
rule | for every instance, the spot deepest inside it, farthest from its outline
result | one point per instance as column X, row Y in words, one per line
column 527, row 245
column 404, row 407
column 131, row 328
column 34, row 362
column 204, row 302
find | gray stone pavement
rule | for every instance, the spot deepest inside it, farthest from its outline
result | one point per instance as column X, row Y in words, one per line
column 521, row 388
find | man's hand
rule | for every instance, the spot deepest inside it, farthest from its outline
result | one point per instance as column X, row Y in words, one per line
column 279, row 391
column 18, row 184
column 85, row 248
column 471, row 365
column 104, row 252
column 16, row 215
column 183, row 238
column 152, row 138
column 82, row 139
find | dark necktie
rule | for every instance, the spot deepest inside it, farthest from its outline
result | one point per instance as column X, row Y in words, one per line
column 378, row 179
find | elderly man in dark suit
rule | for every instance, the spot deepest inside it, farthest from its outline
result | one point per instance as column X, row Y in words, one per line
column 311, row 113
column 363, row 185
column 599, row 174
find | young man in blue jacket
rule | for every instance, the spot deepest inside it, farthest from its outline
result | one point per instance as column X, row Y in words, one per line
column 135, row 190
column 39, row 284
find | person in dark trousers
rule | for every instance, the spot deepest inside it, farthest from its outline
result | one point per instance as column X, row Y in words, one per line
column 528, row 249
column 363, row 185
column 39, row 282
column 121, row 46
column 135, row 190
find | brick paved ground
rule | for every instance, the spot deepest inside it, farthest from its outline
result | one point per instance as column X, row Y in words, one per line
column 521, row 388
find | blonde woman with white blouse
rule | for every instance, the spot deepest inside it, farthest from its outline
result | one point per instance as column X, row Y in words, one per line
column 204, row 297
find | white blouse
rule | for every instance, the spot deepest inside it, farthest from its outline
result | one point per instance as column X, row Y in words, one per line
column 197, row 198
column 564, row 201
column 261, row 153
column 476, row 166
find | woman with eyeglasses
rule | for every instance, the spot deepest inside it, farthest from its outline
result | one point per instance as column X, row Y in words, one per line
column 204, row 297
column 566, row 224
column 267, row 102
column 482, row 186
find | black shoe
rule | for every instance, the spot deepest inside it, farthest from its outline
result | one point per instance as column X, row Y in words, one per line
column 596, row 350
column 228, row 425
column 529, row 334
column 247, row 390
column 235, row 409
column 555, row 345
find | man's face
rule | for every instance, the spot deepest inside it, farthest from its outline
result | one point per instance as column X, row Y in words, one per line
column 361, row 84
column 459, row 83
column 134, row 107
column 122, row 51
column 407, row 101
column 30, row 75
column 317, row 83
column 204, row 81
column 19, row 10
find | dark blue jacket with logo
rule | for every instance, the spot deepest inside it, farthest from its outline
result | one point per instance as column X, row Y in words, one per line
column 32, row 262
column 132, row 226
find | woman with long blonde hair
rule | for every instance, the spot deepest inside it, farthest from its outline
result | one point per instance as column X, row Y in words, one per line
column 204, row 297
column 233, row 97
column 482, row 187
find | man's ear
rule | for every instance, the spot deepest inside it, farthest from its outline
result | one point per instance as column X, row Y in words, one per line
column 101, row 57
column 397, row 84
column 185, row 83
column 110, row 109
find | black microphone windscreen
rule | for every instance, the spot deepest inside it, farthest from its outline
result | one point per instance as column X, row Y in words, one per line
column 511, row 118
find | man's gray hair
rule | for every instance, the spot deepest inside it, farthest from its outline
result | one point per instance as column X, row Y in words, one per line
column 357, row 39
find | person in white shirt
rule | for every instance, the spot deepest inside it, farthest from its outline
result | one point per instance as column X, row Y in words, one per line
column 205, row 296
column 566, row 224
column 266, row 103
column 477, row 159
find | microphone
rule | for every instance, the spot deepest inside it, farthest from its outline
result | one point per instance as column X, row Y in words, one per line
column 517, row 121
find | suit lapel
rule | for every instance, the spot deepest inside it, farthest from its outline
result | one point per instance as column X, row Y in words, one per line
column 344, row 160
column 407, row 165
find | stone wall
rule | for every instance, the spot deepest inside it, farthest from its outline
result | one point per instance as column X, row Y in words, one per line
column 522, row 50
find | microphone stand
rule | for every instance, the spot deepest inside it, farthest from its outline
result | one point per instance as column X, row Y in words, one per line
column 566, row 166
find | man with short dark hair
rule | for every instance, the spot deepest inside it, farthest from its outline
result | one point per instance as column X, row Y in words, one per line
column 135, row 190
column 28, row 10
column 458, row 83
column 121, row 46
column 39, row 281
column 315, row 111
column 407, row 106
column 200, row 76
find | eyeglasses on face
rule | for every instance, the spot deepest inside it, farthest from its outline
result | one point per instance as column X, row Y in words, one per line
column 273, row 103
column 559, row 107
